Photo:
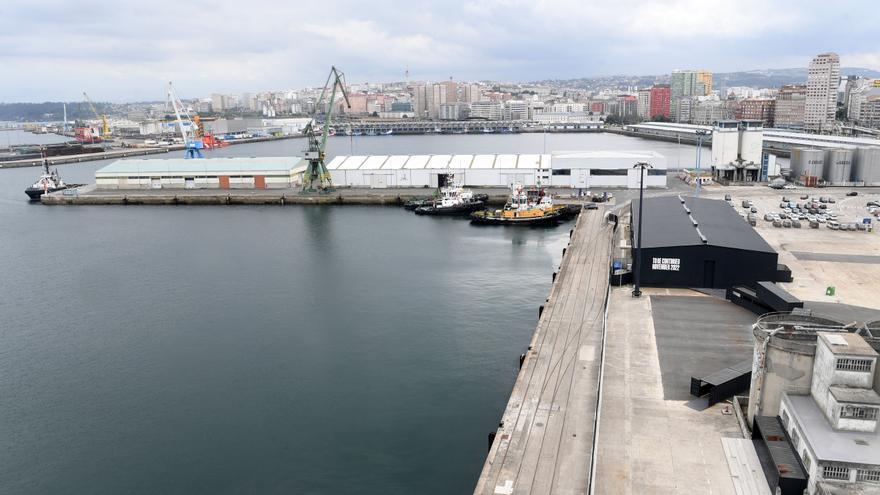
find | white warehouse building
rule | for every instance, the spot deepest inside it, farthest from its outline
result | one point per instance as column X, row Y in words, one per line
column 577, row 169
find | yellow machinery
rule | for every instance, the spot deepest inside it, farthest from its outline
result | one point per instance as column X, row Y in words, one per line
column 105, row 126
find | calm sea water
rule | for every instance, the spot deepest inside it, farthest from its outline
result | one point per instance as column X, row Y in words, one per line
column 264, row 349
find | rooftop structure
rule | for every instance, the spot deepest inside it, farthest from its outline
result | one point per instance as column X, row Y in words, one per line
column 834, row 428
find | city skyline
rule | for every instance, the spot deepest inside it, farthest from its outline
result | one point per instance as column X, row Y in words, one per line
column 129, row 54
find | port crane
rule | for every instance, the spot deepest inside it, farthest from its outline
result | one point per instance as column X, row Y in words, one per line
column 105, row 127
column 192, row 144
column 316, row 176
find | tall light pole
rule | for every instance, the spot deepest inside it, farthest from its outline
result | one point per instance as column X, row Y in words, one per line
column 637, row 290
column 700, row 135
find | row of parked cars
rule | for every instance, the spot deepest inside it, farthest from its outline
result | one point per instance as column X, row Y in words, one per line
column 812, row 211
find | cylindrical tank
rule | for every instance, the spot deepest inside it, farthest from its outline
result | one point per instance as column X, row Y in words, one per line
column 807, row 162
column 785, row 346
column 838, row 166
column 866, row 167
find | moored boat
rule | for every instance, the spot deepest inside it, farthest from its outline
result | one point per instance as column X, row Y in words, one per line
column 524, row 207
column 48, row 182
column 453, row 201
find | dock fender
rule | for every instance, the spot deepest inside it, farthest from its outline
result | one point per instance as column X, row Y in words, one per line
column 522, row 359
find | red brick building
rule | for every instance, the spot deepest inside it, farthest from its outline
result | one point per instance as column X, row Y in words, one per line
column 757, row 109
column 660, row 96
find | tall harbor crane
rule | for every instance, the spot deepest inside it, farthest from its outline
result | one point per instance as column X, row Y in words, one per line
column 193, row 145
column 105, row 127
column 316, row 176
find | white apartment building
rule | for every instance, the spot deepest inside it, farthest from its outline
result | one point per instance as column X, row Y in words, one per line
column 516, row 110
column 862, row 103
column 489, row 110
column 643, row 107
column 833, row 429
column 823, row 79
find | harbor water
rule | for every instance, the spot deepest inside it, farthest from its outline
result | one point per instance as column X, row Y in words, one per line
column 265, row 349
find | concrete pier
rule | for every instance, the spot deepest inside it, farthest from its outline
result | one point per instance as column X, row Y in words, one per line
column 90, row 195
column 83, row 157
column 545, row 441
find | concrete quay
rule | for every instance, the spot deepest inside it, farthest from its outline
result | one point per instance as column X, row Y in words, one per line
column 90, row 195
column 545, row 441
column 84, row 157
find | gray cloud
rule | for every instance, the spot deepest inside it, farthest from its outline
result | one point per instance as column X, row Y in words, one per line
column 128, row 50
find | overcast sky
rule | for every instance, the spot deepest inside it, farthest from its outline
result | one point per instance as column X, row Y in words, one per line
column 127, row 50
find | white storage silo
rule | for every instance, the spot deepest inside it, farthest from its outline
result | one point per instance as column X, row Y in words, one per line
column 807, row 162
column 838, row 166
column 866, row 167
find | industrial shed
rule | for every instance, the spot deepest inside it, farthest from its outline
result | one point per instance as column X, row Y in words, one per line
column 202, row 173
column 697, row 242
column 583, row 169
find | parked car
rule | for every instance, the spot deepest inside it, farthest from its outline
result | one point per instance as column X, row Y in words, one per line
column 852, row 193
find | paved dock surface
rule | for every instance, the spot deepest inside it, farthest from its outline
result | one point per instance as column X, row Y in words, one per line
column 653, row 437
column 545, row 441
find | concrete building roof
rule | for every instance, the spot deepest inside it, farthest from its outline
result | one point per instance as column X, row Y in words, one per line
column 855, row 395
column 829, row 445
column 668, row 224
column 200, row 166
column 848, row 344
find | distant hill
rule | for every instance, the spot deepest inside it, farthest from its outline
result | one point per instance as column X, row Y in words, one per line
column 50, row 111
column 771, row 78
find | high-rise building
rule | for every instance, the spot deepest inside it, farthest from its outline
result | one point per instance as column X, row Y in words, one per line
column 864, row 105
column 660, row 98
column 627, row 106
column 685, row 84
column 643, row 107
column 789, row 109
column 823, row 78
column 217, row 102
column 420, row 100
column 704, row 77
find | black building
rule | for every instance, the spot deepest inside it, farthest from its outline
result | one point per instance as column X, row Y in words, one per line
column 697, row 242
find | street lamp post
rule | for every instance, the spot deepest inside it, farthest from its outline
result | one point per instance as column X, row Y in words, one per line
column 637, row 290
column 700, row 134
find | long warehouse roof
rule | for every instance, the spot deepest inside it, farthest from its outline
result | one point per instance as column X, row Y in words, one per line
column 576, row 159
column 201, row 165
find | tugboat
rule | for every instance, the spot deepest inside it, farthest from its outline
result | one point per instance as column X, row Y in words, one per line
column 524, row 207
column 48, row 182
column 453, row 201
